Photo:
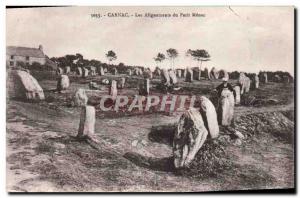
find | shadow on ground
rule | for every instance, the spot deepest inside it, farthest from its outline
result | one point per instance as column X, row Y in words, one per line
column 157, row 164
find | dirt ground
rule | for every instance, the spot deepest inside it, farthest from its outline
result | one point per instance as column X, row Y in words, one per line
column 133, row 155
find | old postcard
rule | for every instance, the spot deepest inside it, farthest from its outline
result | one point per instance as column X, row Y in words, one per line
column 150, row 99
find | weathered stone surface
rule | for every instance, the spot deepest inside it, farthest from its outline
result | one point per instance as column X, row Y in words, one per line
column 87, row 122
column 80, row 98
column 63, row 83
column 189, row 137
column 237, row 90
column 226, row 108
column 24, row 86
column 189, row 75
column 209, row 116
column 113, row 89
column 173, row 78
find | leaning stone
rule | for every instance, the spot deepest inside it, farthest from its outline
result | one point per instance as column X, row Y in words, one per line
column 189, row 138
column 209, row 116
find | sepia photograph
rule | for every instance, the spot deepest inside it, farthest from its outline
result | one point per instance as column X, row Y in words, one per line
column 150, row 99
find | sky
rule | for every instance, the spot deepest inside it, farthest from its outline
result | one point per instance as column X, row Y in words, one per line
column 246, row 39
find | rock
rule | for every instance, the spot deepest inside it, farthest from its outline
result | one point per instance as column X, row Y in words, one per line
column 245, row 83
column 239, row 135
column 238, row 142
column 265, row 78
column 205, row 73
column 209, row 115
column 226, row 108
column 189, row 137
column 93, row 71
column 157, row 72
column 63, row 83
column 80, row 98
column 148, row 74
column 129, row 72
column 113, row 92
column 105, row 81
column 87, row 122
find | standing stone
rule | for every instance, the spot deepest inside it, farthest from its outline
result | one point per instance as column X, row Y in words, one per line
column 114, row 71
column 59, row 71
column 147, row 74
column 245, row 83
column 209, row 115
column 144, row 88
column 79, row 71
column 165, row 78
column 173, row 78
column 237, row 90
column 87, row 122
column 184, row 73
column 205, row 73
column 265, row 78
column 226, row 108
column 157, row 71
column 85, row 72
column 80, row 98
column 67, row 69
column 256, row 81
column 94, row 86
column 189, row 137
column 214, row 74
column 93, row 71
column 129, row 72
column 189, row 75
column 63, row 83
column 178, row 73
column 121, row 83
column 101, row 72
column 113, row 89
column 248, row 84
column 105, row 70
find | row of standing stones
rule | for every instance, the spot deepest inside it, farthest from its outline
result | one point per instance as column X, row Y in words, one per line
column 193, row 128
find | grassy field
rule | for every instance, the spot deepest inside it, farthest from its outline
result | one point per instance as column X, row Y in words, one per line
column 135, row 152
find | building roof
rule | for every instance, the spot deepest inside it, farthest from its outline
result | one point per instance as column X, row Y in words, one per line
column 25, row 51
